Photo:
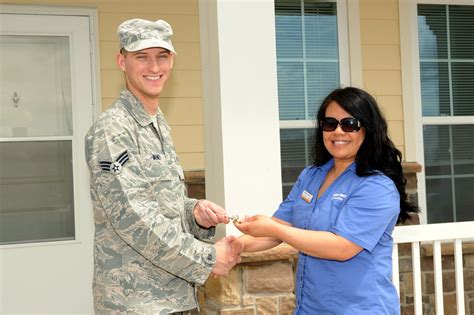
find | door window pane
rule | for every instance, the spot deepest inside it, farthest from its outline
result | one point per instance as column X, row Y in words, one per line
column 36, row 87
column 36, row 189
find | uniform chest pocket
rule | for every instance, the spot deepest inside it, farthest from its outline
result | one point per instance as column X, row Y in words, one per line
column 159, row 171
column 327, row 213
column 166, row 187
column 301, row 213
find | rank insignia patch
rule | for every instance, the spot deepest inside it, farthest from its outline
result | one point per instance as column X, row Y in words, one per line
column 115, row 167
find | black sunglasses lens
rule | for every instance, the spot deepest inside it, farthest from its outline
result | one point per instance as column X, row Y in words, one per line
column 350, row 124
column 329, row 124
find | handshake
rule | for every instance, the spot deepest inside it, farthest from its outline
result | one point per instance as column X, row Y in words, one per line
column 229, row 248
column 228, row 251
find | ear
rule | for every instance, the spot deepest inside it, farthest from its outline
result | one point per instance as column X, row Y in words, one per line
column 120, row 61
column 172, row 61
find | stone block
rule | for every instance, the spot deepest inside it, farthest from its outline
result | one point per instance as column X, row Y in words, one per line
column 450, row 304
column 286, row 304
column 224, row 290
column 201, row 297
column 428, row 285
column 447, row 261
column 280, row 252
column 407, row 310
column 206, row 311
column 274, row 277
column 267, row 305
column 404, row 265
column 248, row 300
column 404, row 250
column 426, row 263
column 427, row 306
column 449, row 283
column 245, row 311
column 411, row 182
column 468, row 280
column 406, row 284
column 195, row 184
column 469, row 261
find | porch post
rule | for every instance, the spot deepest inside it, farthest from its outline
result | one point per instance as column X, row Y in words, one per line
column 240, row 101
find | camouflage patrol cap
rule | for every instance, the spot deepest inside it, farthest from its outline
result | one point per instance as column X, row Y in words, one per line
column 138, row 34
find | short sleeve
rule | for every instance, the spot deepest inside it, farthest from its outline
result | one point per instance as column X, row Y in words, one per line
column 369, row 212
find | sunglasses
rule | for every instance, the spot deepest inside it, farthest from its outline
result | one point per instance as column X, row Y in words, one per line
column 348, row 124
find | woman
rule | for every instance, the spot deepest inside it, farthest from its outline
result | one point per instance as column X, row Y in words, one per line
column 341, row 212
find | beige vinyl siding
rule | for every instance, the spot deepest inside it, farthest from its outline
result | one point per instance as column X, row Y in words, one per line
column 381, row 62
column 181, row 100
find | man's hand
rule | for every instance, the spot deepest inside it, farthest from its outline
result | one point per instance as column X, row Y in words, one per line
column 228, row 251
column 236, row 248
column 207, row 214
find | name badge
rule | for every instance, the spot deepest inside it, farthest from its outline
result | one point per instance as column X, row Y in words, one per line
column 181, row 173
column 306, row 196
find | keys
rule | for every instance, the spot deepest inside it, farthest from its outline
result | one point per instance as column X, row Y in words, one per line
column 234, row 218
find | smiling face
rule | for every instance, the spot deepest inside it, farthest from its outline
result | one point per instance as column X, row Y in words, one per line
column 146, row 72
column 343, row 146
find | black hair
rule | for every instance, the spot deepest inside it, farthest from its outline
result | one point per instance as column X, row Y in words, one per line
column 377, row 152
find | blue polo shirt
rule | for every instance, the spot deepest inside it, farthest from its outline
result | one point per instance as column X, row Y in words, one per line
column 363, row 210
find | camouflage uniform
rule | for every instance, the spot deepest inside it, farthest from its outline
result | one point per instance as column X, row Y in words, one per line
column 148, row 250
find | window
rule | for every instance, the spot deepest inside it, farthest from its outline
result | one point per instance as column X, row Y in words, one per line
column 308, row 64
column 446, row 54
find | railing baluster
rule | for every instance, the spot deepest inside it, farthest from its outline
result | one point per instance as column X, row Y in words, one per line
column 438, row 277
column 395, row 267
column 415, row 256
column 436, row 233
column 459, row 276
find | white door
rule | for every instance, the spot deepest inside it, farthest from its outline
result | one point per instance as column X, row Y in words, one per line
column 46, row 107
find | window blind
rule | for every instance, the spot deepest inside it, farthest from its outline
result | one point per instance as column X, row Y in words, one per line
column 308, row 69
column 307, row 56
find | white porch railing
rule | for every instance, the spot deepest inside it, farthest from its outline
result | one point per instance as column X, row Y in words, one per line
column 435, row 234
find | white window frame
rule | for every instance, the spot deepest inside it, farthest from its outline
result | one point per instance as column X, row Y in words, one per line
column 411, row 87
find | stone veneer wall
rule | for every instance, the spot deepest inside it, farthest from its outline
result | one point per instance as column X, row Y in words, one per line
column 263, row 283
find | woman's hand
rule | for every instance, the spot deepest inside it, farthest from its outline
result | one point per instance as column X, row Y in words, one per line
column 257, row 226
